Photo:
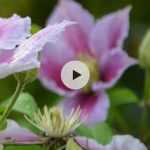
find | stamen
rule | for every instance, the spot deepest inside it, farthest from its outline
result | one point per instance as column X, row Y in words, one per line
column 93, row 68
column 54, row 123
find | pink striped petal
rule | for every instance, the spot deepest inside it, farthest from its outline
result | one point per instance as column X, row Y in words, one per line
column 94, row 107
column 77, row 37
column 112, row 68
column 53, row 58
column 110, row 32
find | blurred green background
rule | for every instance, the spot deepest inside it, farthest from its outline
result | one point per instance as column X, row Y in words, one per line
column 39, row 10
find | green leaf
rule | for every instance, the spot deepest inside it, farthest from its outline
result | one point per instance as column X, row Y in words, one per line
column 102, row 133
column 25, row 104
column 72, row 145
column 119, row 96
column 32, row 147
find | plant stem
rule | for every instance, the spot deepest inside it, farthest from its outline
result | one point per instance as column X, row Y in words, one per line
column 143, row 124
column 19, row 89
column 147, row 86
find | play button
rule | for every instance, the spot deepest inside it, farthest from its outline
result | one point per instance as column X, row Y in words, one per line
column 75, row 75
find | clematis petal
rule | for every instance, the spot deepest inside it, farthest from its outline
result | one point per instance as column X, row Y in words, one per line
column 112, row 67
column 89, row 144
column 119, row 142
column 25, row 57
column 16, row 135
column 53, row 57
column 13, row 31
column 5, row 56
column 76, row 36
column 7, row 69
column 94, row 108
column 125, row 142
column 110, row 32
column 50, row 34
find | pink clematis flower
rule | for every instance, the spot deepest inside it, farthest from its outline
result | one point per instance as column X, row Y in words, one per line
column 19, row 50
column 119, row 142
column 98, row 45
column 14, row 134
column 52, row 124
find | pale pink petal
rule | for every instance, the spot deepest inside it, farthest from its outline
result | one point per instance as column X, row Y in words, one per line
column 25, row 57
column 76, row 36
column 5, row 56
column 8, row 66
column 34, row 44
column 89, row 144
column 110, row 32
column 94, row 107
column 125, row 142
column 112, row 67
column 13, row 31
column 53, row 57
column 17, row 135
column 119, row 142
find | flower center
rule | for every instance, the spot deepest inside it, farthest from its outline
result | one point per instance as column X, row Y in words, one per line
column 93, row 68
column 53, row 122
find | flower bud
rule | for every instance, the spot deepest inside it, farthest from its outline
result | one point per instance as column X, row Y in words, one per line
column 1, row 147
column 144, row 52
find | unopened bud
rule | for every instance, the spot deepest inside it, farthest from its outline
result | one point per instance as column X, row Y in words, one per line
column 144, row 52
column 1, row 147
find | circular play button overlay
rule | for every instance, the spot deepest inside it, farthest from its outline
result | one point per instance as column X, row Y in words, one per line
column 75, row 75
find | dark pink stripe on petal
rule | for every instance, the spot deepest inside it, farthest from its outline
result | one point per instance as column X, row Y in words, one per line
column 110, row 32
column 94, row 107
column 112, row 68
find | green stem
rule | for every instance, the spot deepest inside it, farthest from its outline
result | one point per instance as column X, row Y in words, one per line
column 19, row 89
column 143, row 124
column 147, row 86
